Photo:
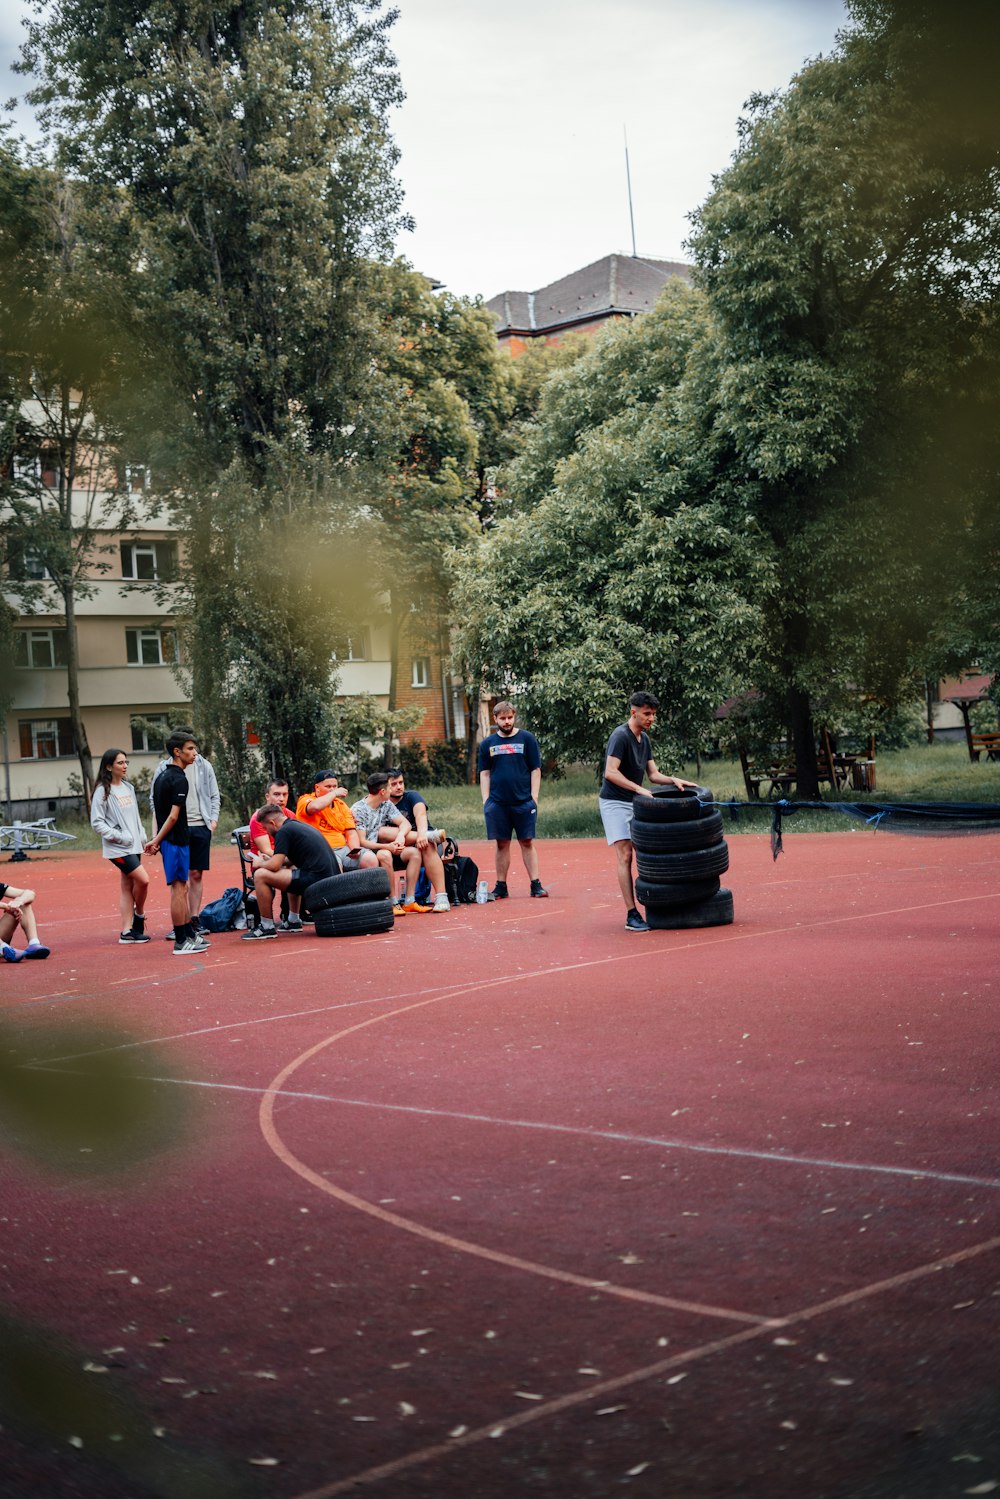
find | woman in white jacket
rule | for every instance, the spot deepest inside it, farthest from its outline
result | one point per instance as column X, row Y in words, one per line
column 114, row 813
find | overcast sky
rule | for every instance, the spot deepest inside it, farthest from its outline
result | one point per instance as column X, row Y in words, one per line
column 512, row 141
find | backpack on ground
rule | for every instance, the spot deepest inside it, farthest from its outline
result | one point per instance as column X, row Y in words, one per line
column 220, row 915
column 461, row 876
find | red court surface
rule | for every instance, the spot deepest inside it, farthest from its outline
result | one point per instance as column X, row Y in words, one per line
column 511, row 1202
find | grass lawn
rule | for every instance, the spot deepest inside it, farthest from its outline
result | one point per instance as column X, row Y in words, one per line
column 938, row 772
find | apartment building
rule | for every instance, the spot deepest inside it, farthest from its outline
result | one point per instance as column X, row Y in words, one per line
column 127, row 646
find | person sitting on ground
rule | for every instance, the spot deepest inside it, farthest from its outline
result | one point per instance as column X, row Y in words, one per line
column 261, row 842
column 301, row 857
column 383, row 831
column 425, row 839
column 17, row 909
column 325, row 810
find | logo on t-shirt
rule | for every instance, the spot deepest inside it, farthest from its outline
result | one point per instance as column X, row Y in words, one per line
column 506, row 749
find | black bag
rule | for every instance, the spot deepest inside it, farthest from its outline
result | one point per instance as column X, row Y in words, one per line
column 461, row 876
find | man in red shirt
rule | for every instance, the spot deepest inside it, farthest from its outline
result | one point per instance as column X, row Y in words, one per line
column 261, row 842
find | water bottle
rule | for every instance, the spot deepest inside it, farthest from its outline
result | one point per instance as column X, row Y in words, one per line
column 482, row 893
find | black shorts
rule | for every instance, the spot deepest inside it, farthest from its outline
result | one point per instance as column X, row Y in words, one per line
column 199, row 842
column 300, row 882
column 3, row 890
column 127, row 862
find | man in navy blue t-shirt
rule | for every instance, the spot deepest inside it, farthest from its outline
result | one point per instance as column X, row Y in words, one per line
column 510, row 774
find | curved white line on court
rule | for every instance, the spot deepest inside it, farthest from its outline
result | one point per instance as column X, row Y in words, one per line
column 449, row 1241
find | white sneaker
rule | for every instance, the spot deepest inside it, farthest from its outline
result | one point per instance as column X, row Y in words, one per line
column 441, row 903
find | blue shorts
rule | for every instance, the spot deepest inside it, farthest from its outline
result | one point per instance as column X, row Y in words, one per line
column 176, row 863
column 503, row 820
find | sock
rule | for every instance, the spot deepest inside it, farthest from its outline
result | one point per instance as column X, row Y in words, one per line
column 180, row 935
column 33, row 943
column 138, row 922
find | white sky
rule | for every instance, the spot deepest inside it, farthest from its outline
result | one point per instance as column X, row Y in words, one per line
column 512, row 132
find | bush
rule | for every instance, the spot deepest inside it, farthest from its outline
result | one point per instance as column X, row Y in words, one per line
column 410, row 759
column 446, row 762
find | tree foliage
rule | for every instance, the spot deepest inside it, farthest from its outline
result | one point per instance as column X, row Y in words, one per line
column 850, row 255
column 614, row 567
column 62, row 365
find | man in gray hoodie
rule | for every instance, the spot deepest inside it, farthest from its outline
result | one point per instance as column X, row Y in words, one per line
column 203, row 806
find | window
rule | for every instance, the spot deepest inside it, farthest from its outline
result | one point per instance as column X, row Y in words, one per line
column 149, row 730
column 25, row 563
column 150, row 647
column 27, row 466
column 149, row 561
column 421, row 671
column 45, row 738
column 357, row 647
column 40, row 650
column 50, row 467
column 136, row 477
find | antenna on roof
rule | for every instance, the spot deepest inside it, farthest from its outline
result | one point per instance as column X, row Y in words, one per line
column 628, row 179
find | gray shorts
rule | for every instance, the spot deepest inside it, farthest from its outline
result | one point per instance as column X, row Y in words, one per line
column 617, row 819
column 346, row 864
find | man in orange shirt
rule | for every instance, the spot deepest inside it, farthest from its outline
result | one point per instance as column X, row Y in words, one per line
column 327, row 812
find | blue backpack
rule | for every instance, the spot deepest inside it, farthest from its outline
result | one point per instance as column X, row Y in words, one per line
column 220, row 915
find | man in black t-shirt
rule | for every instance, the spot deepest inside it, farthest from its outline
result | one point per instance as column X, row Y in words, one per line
column 629, row 757
column 301, row 857
column 170, row 792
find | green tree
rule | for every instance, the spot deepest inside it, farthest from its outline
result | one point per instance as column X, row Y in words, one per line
column 61, row 363
column 850, row 256
column 250, row 144
column 450, row 396
column 617, row 566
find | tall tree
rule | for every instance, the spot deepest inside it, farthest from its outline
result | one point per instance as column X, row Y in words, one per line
column 851, row 256
column 61, row 363
column 251, row 142
column 617, row 565
column 450, row 395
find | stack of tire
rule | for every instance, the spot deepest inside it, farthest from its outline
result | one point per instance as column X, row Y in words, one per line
column 680, row 855
column 353, row 904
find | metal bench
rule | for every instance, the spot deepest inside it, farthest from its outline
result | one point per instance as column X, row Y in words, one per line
column 40, row 834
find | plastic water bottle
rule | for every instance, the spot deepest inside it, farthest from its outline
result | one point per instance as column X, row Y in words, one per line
column 482, row 893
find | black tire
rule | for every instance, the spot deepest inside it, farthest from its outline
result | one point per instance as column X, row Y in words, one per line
column 364, row 918
column 676, row 893
column 676, row 837
column 668, row 804
column 347, row 889
column 717, row 910
column 696, row 864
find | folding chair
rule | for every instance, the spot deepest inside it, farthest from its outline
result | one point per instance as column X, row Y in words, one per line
column 241, row 838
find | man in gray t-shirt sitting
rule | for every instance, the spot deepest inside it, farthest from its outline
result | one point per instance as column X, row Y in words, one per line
column 629, row 757
column 383, row 830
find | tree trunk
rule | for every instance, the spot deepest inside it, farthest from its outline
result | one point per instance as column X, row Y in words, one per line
column 73, row 693
column 803, row 744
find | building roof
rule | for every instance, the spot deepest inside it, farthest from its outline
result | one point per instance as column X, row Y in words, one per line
column 615, row 285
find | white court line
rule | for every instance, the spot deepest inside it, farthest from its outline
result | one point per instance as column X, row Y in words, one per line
column 503, row 1424
column 664, row 950
column 621, row 1137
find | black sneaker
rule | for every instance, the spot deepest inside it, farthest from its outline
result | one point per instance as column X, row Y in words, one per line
column 635, row 923
column 289, row 926
column 258, row 934
column 499, row 891
column 538, row 890
column 132, row 936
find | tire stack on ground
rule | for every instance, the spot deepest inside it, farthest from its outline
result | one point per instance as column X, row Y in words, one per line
column 353, row 904
column 680, row 854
